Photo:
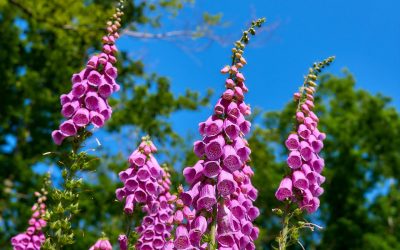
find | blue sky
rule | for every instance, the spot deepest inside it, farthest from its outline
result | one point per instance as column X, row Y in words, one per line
column 363, row 35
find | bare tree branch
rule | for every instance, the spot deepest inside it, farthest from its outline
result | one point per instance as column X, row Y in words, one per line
column 202, row 32
column 175, row 35
column 165, row 35
column 21, row 7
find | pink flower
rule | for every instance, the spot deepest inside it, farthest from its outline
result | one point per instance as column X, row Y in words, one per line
column 303, row 183
column 211, row 169
column 226, row 184
column 33, row 237
column 221, row 173
column 181, row 238
column 146, row 184
column 296, row 96
column 87, row 102
column 293, row 143
column 299, row 180
column 300, row 116
column 213, row 126
column 225, row 69
column 285, row 189
column 294, row 160
column 101, row 244
column 123, row 242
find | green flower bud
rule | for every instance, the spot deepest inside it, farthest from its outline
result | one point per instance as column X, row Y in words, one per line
column 297, row 211
column 277, row 211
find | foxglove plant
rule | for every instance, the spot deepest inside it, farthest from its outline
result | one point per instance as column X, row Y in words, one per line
column 221, row 194
column 33, row 237
column 85, row 104
column 301, row 187
column 147, row 184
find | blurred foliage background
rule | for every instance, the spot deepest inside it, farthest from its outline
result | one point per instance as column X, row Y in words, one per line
column 43, row 42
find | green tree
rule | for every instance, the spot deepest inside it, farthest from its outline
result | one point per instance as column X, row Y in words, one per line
column 42, row 44
column 361, row 153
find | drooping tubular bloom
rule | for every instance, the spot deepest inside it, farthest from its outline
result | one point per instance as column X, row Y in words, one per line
column 123, row 242
column 101, row 244
column 33, row 237
column 303, row 184
column 221, row 193
column 147, row 184
column 87, row 103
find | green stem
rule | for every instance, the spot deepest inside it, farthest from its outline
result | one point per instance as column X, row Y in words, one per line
column 284, row 233
column 315, row 70
column 213, row 230
column 66, row 200
column 240, row 45
column 129, row 229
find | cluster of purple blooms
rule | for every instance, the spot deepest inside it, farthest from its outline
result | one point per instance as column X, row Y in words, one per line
column 147, row 183
column 33, row 238
column 303, row 183
column 155, row 231
column 87, row 102
column 221, row 192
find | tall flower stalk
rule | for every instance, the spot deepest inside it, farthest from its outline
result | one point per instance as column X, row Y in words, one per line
column 146, row 184
column 33, row 237
column 86, row 104
column 301, row 187
column 221, row 195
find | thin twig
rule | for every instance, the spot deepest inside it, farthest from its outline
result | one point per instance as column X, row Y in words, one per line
column 175, row 34
column 165, row 35
column 302, row 247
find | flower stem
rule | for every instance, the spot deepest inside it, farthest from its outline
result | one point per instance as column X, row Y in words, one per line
column 284, row 233
column 65, row 201
column 213, row 231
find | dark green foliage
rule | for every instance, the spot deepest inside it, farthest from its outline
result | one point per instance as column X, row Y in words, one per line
column 364, row 153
